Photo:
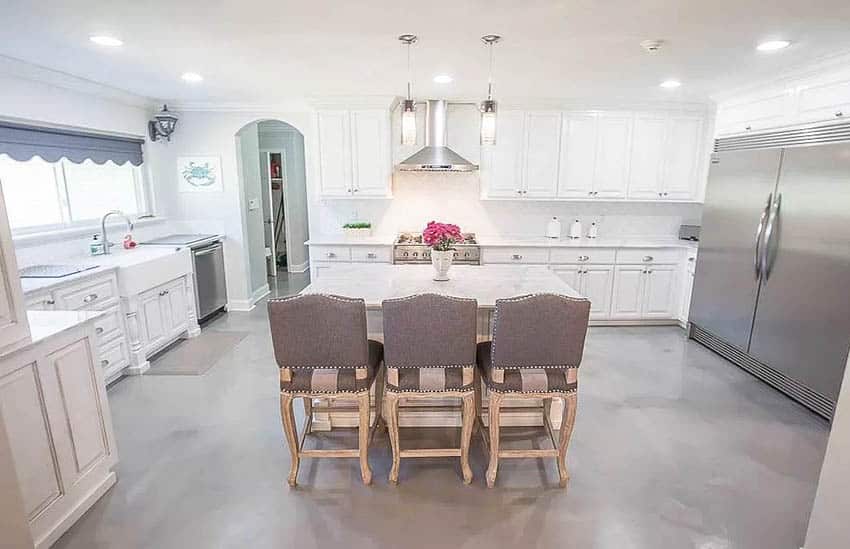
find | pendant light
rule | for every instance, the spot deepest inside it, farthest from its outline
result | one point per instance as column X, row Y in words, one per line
column 488, row 106
column 408, row 111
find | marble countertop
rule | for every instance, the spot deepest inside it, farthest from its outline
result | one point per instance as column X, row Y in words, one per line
column 492, row 241
column 105, row 263
column 46, row 324
column 485, row 283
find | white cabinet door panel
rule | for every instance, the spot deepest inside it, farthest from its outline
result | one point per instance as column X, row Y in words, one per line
column 175, row 308
column 596, row 285
column 370, row 153
column 824, row 101
column 152, row 321
column 752, row 115
column 647, row 157
column 683, row 153
column 542, row 150
column 503, row 170
column 612, row 156
column 569, row 274
column 627, row 299
column 660, row 298
column 578, row 156
column 334, row 153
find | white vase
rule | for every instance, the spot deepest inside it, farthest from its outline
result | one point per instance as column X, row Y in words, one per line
column 441, row 262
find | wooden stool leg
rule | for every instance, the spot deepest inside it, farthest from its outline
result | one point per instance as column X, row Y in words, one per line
column 308, row 413
column 569, row 418
column 291, row 433
column 494, row 406
column 364, row 404
column 466, row 435
column 479, row 421
column 379, row 400
column 391, row 407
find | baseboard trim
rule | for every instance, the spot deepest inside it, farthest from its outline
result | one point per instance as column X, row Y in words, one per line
column 246, row 305
column 300, row 268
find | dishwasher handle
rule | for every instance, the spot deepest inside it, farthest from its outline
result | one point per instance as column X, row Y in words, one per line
column 206, row 250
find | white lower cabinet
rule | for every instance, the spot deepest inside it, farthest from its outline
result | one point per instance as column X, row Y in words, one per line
column 324, row 256
column 163, row 315
column 644, row 292
column 592, row 281
column 56, row 415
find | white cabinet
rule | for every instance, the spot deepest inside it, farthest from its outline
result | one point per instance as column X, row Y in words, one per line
column 354, row 153
column 829, row 100
column 754, row 114
column 14, row 329
column 595, row 155
column 644, row 292
column 56, row 415
column 524, row 161
column 163, row 315
column 665, row 157
column 323, row 256
column 593, row 282
column 687, row 286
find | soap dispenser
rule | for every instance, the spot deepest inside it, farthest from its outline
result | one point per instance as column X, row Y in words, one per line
column 553, row 228
column 575, row 229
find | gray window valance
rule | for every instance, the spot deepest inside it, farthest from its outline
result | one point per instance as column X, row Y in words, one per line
column 22, row 142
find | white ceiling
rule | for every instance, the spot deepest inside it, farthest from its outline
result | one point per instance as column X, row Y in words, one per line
column 263, row 51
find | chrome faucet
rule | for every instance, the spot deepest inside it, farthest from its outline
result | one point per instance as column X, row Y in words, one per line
column 105, row 240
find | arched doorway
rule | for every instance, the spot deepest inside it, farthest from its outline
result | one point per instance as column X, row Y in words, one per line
column 274, row 195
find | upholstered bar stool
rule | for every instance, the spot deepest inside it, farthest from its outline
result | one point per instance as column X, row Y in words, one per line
column 321, row 348
column 537, row 346
column 429, row 353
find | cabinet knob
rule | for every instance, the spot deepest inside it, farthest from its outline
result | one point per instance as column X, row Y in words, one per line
column 50, row 301
column 748, row 128
column 516, row 257
column 331, row 255
column 98, row 330
column 519, row 191
column 583, row 257
column 371, row 255
column 839, row 114
column 355, row 190
column 692, row 259
column 89, row 298
column 648, row 258
column 104, row 363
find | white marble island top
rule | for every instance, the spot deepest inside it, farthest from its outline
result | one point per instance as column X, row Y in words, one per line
column 485, row 283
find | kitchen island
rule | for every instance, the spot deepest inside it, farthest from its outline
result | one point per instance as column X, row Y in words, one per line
column 484, row 283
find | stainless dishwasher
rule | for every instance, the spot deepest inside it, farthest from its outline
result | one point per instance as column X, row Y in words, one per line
column 210, row 289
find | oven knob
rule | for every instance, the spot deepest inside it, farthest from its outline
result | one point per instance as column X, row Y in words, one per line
column 415, row 254
column 405, row 254
column 465, row 254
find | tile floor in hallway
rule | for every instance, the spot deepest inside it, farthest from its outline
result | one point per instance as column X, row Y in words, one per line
column 673, row 448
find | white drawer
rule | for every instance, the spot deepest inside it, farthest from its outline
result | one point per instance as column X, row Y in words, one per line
column 330, row 253
column 114, row 355
column 583, row 255
column 90, row 294
column 649, row 255
column 109, row 326
column 375, row 254
column 515, row 255
column 40, row 302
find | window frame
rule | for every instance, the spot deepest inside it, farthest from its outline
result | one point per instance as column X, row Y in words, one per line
column 143, row 194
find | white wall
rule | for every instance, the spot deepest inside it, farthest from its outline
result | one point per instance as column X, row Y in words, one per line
column 829, row 527
column 248, row 140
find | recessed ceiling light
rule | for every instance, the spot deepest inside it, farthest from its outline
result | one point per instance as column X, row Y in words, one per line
column 670, row 84
column 443, row 79
column 192, row 77
column 773, row 45
column 104, row 40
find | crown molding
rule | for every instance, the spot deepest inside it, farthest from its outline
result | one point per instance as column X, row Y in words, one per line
column 16, row 68
column 837, row 62
column 296, row 105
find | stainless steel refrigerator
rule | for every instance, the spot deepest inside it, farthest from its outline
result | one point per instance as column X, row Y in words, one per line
column 772, row 283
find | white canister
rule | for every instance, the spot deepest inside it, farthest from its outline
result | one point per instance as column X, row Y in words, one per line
column 575, row 229
column 593, row 231
column 553, row 228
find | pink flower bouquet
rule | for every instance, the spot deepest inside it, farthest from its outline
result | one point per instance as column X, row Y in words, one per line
column 441, row 236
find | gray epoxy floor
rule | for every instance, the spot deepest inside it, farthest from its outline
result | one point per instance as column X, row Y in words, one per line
column 673, row 448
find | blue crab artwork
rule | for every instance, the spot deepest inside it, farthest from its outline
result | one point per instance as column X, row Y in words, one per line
column 199, row 175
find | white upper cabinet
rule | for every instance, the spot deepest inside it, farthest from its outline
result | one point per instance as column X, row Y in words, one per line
column 542, row 146
column 646, row 174
column 501, row 164
column 611, row 169
column 354, row 153
column 828, row 100
column 14, row 328
column 578, row 155
column 753, row 114
column 682, row 155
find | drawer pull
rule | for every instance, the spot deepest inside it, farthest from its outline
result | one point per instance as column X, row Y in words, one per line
column 98, row 330
column 839, row 114
column 583, row 257
column 164, row 293
column 648, row 258
column 691, row 259
column 516, row 257
column 331, row 255
column 371, row 255
column 89, row 298
column 104, row 363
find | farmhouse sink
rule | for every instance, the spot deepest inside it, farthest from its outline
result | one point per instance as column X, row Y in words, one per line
column 140, row 270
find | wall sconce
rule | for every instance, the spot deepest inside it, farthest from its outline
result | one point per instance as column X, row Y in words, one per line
column 162, row 125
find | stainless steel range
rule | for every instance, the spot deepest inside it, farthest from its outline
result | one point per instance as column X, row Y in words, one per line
column 408, row 248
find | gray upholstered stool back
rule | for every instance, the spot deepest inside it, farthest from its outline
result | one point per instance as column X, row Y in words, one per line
column 429, row 330
column 319, row 331
column 539, row 331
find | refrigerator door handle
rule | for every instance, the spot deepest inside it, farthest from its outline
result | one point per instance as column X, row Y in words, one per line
column 759, row 234
column 767, row 257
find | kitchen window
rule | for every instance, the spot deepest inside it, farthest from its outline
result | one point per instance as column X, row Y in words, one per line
column 43, row 196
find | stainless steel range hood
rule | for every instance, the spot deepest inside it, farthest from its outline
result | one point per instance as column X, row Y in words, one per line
column 436, row 156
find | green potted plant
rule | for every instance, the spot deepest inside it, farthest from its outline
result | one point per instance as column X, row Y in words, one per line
column 358, row 229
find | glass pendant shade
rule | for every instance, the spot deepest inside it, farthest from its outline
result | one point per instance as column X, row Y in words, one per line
column 488, row 122
column 408, row 123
